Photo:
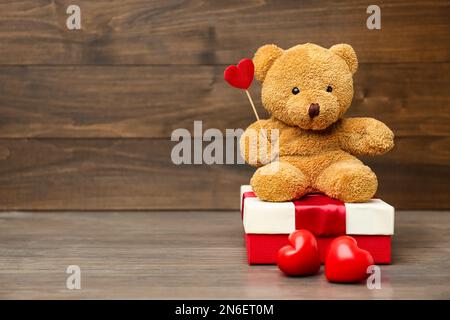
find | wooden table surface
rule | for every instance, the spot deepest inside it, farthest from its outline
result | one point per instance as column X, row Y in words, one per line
column 187, row 255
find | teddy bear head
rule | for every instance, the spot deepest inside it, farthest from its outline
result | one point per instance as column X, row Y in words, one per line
column 306, row 86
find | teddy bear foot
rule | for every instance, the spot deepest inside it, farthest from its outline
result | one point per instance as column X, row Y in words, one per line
column 348, row 181
column 279, row 181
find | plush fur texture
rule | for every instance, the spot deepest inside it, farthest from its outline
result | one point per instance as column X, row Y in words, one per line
column 317, row 146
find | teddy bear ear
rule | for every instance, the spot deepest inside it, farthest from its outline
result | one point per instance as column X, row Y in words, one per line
column 264, row 58
column 346, row 52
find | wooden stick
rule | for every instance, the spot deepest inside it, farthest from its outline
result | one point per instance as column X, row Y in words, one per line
column 255, row 112
column 253, row 105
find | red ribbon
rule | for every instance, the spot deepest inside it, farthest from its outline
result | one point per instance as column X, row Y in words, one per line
column 321, row 215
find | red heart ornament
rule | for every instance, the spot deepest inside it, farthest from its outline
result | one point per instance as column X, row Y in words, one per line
column 300, row 257
column 346, row 262
column 240, row 76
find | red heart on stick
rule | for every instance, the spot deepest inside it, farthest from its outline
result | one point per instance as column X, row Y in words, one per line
column 301, row 257
column 346, row 262
column 240, row 76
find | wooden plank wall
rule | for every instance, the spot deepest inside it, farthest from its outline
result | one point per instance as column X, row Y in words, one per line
column 86, row 116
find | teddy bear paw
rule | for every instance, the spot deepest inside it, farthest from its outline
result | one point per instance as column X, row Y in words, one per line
column 279, row 181
column 348, row 181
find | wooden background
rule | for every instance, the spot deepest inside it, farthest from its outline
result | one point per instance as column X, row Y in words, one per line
column 86, row 116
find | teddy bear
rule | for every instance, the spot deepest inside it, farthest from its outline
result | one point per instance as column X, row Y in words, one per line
column 307, row 89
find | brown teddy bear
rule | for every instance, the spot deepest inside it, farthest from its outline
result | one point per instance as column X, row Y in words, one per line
column 307, row 90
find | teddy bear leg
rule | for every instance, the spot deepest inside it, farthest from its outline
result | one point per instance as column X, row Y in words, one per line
column 348, row 181
column 279, row 181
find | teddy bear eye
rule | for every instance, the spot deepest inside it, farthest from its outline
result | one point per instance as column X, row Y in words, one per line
column 329, row 89
column 295, row 90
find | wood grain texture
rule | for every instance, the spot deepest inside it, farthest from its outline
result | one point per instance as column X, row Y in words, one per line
column 137, row 174
column 133, row 174
column 189, row 255
column 152, row 101
column 216, row 32
column 85, row 115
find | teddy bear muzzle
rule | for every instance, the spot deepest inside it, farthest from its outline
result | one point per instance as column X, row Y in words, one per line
column 314, row 110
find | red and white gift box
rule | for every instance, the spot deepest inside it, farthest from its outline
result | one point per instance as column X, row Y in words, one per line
column 268, row 224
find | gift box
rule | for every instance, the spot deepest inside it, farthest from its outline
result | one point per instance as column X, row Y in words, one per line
column 267, row 225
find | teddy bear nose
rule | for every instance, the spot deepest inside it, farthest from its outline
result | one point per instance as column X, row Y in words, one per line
column 314, row 110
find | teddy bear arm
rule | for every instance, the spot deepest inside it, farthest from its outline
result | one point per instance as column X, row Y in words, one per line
column 250, row 144
column 365, row 136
